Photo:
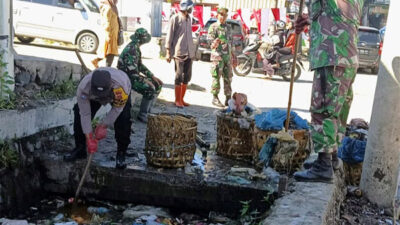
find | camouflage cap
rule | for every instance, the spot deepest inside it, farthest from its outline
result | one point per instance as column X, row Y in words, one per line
column 142, row 36
column 222, row 9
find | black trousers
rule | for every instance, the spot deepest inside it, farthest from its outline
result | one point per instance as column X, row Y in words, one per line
column 122, row 125
column 281, row 52
column 183, row 71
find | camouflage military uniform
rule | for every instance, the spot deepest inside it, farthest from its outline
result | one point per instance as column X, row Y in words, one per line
column 221, row 57
column 334, row 58
column 130, row 61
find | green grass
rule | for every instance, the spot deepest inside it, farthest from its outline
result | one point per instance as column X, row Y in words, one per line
column 8, row 104
column 8, row 156
column 61, row 91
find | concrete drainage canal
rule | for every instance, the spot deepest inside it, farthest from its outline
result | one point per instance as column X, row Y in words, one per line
column 36, row 184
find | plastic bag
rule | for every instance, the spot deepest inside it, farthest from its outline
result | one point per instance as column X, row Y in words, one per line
column 120, row 37
column 352, row 150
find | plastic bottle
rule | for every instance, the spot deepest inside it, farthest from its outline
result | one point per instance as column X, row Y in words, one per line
column 97, row 210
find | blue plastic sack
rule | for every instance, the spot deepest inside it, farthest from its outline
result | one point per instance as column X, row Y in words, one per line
column 352, row 150
column 267, row 151
column 274, row 119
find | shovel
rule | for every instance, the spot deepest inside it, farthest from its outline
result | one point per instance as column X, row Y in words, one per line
column 296, row 45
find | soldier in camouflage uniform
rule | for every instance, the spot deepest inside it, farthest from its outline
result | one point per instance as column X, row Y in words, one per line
column 334, row 58
column 219, row 36
column 130, row 61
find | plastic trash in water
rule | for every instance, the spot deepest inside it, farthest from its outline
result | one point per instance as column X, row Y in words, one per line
column 238, row 180
column 198, row 160
column 152, row 222
column 67, row 223
column 97, row 210
column 59, row 217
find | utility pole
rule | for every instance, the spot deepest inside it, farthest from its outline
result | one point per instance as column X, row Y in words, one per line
column 156, row 19
column 6, row 41
column 379, row 180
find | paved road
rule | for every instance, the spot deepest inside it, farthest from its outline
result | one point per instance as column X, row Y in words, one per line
column 261, row 92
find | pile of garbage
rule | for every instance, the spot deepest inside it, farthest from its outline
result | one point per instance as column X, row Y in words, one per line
column 59, row 212
column 275, row 120
column 352, row 149
column 240, row 107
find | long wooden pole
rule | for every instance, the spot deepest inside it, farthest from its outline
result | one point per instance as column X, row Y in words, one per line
column 83, row 177
column 85, row 69
column 296, row 46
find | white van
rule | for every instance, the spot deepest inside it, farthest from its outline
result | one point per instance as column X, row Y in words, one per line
column 72, row 21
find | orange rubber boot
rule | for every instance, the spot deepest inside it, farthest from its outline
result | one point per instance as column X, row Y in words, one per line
column 184, row 86
column 178, row 95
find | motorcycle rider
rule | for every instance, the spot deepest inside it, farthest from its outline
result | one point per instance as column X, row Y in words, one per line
column 290, row 36
column 278, row 40
column 253, row 37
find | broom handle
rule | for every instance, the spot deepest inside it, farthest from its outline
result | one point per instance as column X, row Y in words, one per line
column 296, row 45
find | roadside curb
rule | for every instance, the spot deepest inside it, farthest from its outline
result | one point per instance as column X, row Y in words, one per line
column 309, row 203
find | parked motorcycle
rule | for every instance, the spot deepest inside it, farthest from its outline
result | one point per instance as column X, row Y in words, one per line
column 252, row 60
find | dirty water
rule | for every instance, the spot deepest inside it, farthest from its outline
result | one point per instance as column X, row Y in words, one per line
column 58, row 211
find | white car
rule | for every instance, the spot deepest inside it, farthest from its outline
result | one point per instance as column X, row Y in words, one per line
column 72, row 21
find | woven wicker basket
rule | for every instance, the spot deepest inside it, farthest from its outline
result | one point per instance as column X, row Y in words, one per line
column 303, row 151
column 170, row 140
column 352, row 173
column 232, row 141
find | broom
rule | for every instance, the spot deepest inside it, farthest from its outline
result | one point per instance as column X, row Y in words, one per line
column 287, row 146
column 296, row 46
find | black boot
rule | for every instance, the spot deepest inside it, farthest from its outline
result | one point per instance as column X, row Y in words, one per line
column 320, row 171
column 120, row 160
column 144, row 109
column 79, row 152
column 216, row 101
column 227, row 99
column 336, row 162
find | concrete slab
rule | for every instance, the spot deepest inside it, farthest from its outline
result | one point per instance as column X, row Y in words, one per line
column 309, row 203
column 18, row 124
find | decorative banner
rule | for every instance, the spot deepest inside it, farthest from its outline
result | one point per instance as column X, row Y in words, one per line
column 214, row 12
column 239, row 12
column 198, row 14
column 235, row 15
column 275, row 12
column 206, row 14
column 282, row 14
column 257, row 16
column 246, row 13
column 265, row 14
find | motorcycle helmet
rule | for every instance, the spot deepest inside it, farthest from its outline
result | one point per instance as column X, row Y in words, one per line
column 280, row 25
column 186, row 5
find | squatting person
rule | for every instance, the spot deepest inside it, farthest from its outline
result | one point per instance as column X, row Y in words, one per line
column 142, row 79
